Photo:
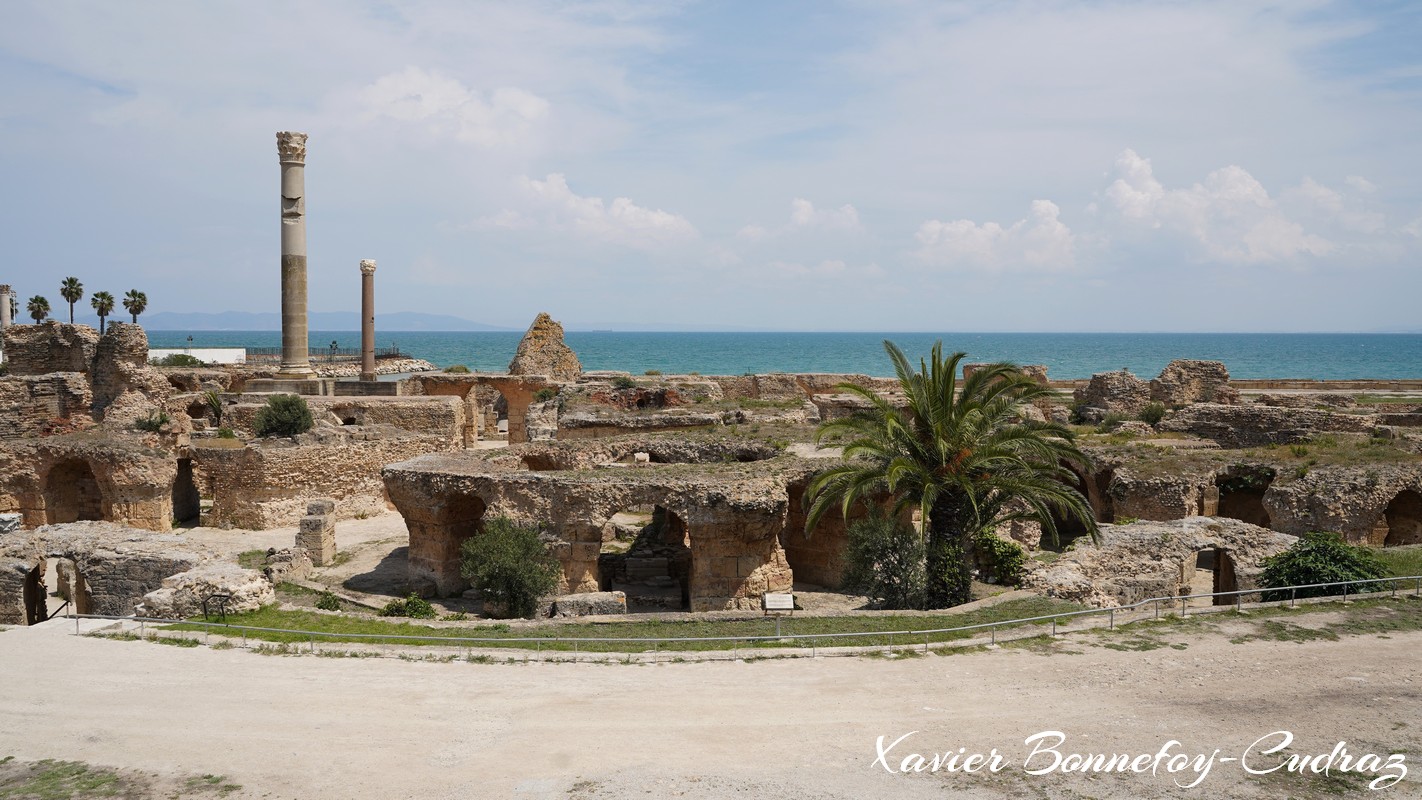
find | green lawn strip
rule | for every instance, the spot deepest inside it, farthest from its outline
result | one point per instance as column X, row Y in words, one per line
column 796, row 631
column 1401, row 561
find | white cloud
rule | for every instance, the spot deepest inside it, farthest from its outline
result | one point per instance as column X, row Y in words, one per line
column 804, row 216
column 446, row 107
column 1041, row 241
column 1230, row 215
column 619, row 222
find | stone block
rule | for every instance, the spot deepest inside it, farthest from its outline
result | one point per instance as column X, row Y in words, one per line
column 316, row 524
column 322, row 506
column 10, row 522
column 588, row 603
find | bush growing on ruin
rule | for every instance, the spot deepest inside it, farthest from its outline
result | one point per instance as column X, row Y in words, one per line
column 961, row 453
column 509, row 564
column 1153, row 412
column 456, row 369
column 226, row 433
column 1000, row 560
column 214, row 404
column 1321, row 557
column 153, row 423
column 283, row 415
column 545, row 394
column 414, row 607
column 328, row 601
column 623, row 382
column 884, row 561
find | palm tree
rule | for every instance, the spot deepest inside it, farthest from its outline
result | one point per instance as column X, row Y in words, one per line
column 963, row 454
column 38, row 308
column 103, row 304
column 135, row 302
column 71, row 290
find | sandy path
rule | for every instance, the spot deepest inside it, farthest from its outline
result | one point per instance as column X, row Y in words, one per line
column 308, row 727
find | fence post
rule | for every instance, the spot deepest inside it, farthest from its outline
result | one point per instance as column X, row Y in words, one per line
column 1111, row 623
column 1238, row 603
column 1157, row 609
column 1054, row 626
column 1293, row 598
column 1345, row 592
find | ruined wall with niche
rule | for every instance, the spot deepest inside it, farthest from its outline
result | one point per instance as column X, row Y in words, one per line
column 70, row 477
column 268, row 483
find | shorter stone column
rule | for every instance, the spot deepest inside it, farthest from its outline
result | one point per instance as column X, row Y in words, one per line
column 367, row 319
column 5, row 317
column 317, row 534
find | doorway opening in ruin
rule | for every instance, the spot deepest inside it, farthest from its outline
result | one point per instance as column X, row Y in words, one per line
column 1242, row 489
column 817, row 560
column 1404, row 519
column 71, row 493
column 496, row 416
column 646, row 554
column 187, row 502
column 52, row 583
column 1209, row 571
column 1093, row 486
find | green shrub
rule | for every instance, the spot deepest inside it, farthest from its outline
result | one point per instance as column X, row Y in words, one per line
column 414, row 607
column 652, row 372
column 178, row 360
column 283, row 415
column 885, row 561
column 1320, row 558
column 1111, row 421
column 623, row 382
column 328, row 602
column 456, row 369
column 1153, row 413
column 226, row 433
column 214, row 404
column 545, row 394
column 999, row 560
column 154, row 422
column 509, row 564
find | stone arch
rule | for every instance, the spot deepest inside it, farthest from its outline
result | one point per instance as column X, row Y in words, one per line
column 1207, row 571
column 71, row 493
column 1241, row 493
column 646, row 554
column 1094, row 487
column 187, row 502
column 1404, row 519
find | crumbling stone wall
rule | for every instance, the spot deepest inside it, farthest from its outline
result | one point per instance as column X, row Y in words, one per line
column 35, row 405
column 1255, row 425
column 1117, row 392
column 734, row 517
column 1037, row 372
column 1144, row 559
column 442, row 417
column 1185, row 381
column 49, row 347
column 120, row 374
column 134, row 481
column 542, row 352
column 1353, row 501
column 269, row 483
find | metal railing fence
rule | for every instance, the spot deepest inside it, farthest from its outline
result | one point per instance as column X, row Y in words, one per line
column 896, row 640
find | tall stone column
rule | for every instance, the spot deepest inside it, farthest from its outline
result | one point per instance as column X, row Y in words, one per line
column 5, row 320
column 295, row 360
column 367, row 319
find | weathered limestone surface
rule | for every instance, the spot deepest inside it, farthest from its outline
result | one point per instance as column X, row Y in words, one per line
column 113, row 566
column 1037, row 372
column 542, row 421
column 49, row 347
column 1117, row 392
column 287, row 564
column 1308, row 400
column 590, row 603
column 36, row 405
column 443, row 417
column 1163, row 497
column 1367, row 504
column 84, row 476
column 733, row 516
column 268, row 483
column 316, row 534
column 1155, row 559
column 1254, row 425
column 1185, row 381
column 542, row 352
column 181, row 595
column 125, row 387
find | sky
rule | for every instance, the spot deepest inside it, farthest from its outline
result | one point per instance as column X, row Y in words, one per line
column 889, row 165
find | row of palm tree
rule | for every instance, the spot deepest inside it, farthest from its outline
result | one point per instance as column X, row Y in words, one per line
column 964, row 455
column 134, row 302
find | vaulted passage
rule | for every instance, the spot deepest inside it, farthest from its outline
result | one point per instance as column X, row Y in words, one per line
column 1404, row 519
column 187, row 503
column 646, row 554
column 1210, row 571
column 71, row 493
column 1242, row 494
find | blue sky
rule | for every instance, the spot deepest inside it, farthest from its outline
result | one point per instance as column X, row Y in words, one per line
column 1227, row 166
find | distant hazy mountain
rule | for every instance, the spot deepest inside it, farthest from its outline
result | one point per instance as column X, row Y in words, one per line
column 316, row 321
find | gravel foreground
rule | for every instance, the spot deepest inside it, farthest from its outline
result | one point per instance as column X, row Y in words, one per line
column 310, row 727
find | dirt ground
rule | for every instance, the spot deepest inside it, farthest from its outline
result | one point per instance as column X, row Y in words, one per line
column 311, row 727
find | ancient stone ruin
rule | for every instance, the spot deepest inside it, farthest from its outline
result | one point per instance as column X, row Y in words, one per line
column 542, row 352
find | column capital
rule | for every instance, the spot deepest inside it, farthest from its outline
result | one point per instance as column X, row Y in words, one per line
column 367, row 266
column 291, row 146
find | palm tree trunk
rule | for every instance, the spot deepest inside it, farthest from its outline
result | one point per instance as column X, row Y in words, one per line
column 950, row 552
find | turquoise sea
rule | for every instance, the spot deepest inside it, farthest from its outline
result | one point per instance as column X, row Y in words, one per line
column 1067, row 355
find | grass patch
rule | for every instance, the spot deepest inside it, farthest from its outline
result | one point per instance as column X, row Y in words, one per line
column 795, row 632
column 1400, row 561
column 252, row 559
column 1273, row 630
column 58, row 780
